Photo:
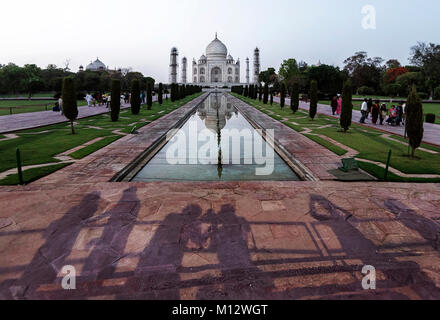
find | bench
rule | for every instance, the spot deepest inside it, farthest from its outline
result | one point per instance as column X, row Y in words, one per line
column 349, row 164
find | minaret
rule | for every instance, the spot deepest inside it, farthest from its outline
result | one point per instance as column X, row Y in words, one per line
column 184, row 65
column 256, row 65
column 247, row 70
column 173, row 65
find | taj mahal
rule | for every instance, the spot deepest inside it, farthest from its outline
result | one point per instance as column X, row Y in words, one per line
column 214, row 68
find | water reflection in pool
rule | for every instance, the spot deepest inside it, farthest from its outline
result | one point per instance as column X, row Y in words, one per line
column 216, row 144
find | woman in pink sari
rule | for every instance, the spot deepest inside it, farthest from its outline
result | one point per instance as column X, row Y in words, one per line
column 339, row 108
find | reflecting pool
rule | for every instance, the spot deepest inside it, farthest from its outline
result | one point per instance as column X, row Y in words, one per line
column 216, row 144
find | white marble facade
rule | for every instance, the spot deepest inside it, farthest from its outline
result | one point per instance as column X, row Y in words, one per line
column 216, row 67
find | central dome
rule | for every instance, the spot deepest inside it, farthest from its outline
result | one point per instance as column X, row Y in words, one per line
column 216, row 49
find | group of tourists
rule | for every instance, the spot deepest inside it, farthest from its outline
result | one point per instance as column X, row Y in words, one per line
column 98, row 99
column 380, row 113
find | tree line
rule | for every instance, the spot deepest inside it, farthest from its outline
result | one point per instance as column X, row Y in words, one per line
column 31, row 79
column 368, row 75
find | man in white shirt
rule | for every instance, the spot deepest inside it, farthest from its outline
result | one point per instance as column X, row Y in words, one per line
column 364, row 111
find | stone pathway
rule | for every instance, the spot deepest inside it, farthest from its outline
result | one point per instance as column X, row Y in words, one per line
column 22, row 121
column 431, row 135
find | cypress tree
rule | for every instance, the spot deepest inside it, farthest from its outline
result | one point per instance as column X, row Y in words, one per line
column 160, row 94
column 149, row 96
column 266, row 93
column 135, row 100
column 271, row 97
column 347, row 106
column 70, row 107
column 283, row 95
column 115, row 102
column 414, row 120
column 173, row 92
column 245, row 93
column 294, row 99
column 260, row 92
column 313, row 99
column 256, row 92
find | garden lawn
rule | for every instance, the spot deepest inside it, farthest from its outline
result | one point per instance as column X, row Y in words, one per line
column 26, row 106
column 39, row 146
column 367, row 141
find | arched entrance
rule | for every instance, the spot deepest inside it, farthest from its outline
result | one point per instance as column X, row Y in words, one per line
column 216, row 74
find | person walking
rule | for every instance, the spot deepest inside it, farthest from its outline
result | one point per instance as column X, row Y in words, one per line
column 364, row 110
column 375, row 112
column 109, row 101
column 383, row 113
column 334, row 104
column 339, row 107
column 370, row 106
column 89, row 99
column 60, row 105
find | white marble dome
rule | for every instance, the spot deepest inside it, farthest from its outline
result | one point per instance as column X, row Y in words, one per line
column 96, row 66
column 216, row 49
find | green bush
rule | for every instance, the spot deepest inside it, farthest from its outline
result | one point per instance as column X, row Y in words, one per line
column 294, row 105
column 414, row 120
column 69, row 105
column 367, row 91
column 149, row 96
column 283, row 95
column 313, row 99
column 437, row 93
column 135, row 100
column 160, row 94
column 115, row 102
column 266, row 93
column 347, row 106
column 430, row 118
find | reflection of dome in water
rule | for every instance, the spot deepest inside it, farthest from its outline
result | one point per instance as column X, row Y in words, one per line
column 215, row 112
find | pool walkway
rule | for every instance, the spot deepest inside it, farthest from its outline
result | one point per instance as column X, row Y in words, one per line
column 431, row 135
column 23, row 121
column 220, row 240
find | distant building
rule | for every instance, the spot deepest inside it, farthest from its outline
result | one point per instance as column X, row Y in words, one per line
column 97, row 65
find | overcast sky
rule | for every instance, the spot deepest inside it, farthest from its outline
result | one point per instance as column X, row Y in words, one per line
column 140, row 33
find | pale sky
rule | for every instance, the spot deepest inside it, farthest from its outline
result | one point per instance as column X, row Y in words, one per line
column 140, row 33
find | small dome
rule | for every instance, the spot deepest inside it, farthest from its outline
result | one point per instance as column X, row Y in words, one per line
column 216, row 49
column 203, row 57
column 230, row 57
column 97, row 65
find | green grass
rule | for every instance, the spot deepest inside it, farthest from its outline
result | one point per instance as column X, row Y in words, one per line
column 327, row 144
column 367, row 141
column 38, row 146
column 379, row 172
column 26, row 106
column 84, row 152
column 32, row 174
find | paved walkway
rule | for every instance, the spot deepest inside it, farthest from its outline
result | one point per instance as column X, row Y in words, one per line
column 22, row 121
column 234, row 241
column 431, row 135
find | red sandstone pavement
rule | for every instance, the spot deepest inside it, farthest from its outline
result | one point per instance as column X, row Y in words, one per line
column 253, row 240
column 431, row 134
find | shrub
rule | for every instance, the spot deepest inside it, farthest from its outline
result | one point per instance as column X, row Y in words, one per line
column 366, row 91
column 115, row 101
column 135, row 100
column 271, row 97
column 283, row 95
column 313, row 99
column 69, row 105
column 149, row 96
column 160, row 94
column 423, row 95
column 266, row 93
column 294, row 103
column 430, row 118
column 437, row 93
column 414, row 120
column 347, row 106
column 260, row 92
